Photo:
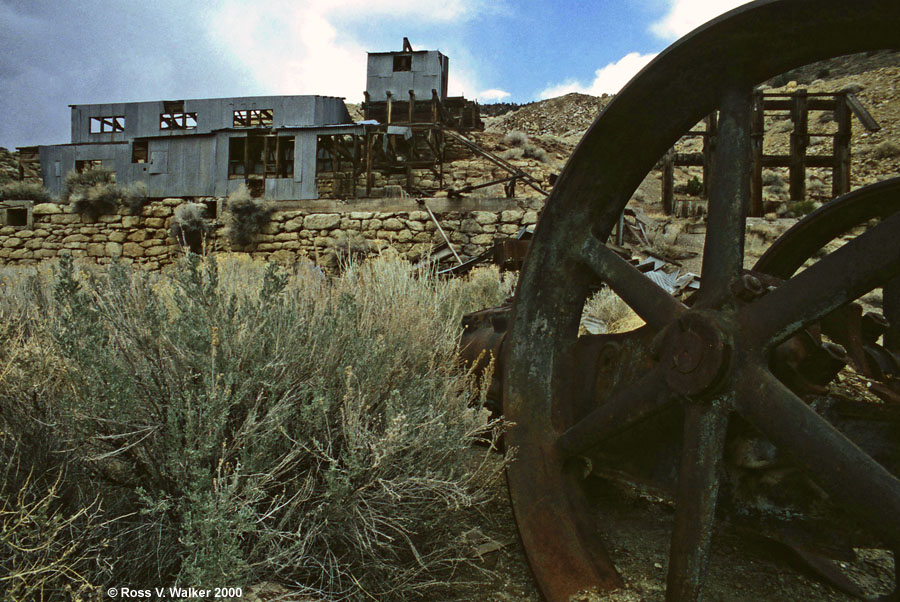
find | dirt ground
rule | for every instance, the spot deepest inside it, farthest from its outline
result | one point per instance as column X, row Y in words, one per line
column 635, row 531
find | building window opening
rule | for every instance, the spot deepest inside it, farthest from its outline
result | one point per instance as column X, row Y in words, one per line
column 279, row 154
column 253, row 118
column 335, row 153
column 106, row 125
column 17, row 217
column 178, row 121
column 403, row 62
column 84, row 165
column 236, row 157
column 324, row 154
column 270, row 156
column 140, row 151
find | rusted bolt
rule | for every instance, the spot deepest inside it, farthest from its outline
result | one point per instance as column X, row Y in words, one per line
column 748, row 287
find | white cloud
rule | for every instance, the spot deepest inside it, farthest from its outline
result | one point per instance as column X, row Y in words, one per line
column 686, row 15
column 303, row 52
column 607, row 80
column 492, row 94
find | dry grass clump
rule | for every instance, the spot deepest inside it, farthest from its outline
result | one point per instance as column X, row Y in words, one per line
column 235, row 423
column 19, row 191
column 606, row 312
column 887, row 149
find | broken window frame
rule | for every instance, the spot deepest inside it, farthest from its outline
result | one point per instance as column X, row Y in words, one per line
column 402, row 62
column 107, row 125
column 177, row 121
column 140, row 151
column 83, row 165
column 253, row 118
column 266, row 155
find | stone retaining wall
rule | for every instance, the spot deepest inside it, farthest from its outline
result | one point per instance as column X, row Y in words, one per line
column 297, row 229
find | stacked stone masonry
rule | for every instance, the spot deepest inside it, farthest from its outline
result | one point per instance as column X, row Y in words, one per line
column 292, row 233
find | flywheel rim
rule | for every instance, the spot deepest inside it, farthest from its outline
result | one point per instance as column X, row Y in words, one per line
column 607, row 166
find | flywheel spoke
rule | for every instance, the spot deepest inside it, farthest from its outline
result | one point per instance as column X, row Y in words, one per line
column 891, row 306
column 842, row 276
column 851, row 477
column 698, row 488
column 653, row 304
column 617, row 413
column 729, row 198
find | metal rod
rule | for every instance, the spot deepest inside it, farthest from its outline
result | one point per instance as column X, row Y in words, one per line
column 441, row 230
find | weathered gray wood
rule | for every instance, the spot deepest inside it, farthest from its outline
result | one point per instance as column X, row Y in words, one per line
column 861, row 113
column 840, row 178
column 799, row 143
column 757, row 135
column 668, row 183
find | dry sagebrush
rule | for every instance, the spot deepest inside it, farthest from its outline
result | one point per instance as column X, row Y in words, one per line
column 227, row 422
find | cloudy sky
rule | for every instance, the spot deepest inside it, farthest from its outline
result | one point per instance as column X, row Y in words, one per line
column 59, row 52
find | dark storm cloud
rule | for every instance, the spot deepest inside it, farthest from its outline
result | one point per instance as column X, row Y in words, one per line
column 53, row 54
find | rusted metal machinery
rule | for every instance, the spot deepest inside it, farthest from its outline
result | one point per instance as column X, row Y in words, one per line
column 737, row 368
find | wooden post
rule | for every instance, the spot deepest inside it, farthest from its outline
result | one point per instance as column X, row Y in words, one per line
column 370, row 151
column 799, row 142
column 356, row 156
column 757, row 136
column 412, row 105
column 335, row 166
column 278, row 161
column 365, row 105
column 668, row 182
column 434, row 106
column 247, row 157
column 840, row 175
column 389, row 106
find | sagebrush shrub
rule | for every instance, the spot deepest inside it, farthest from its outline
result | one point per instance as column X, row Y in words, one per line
column 190, row 227
column 20, row 191
column 247, row 216
column 92, row 192
column 520, row 141
column 226, row 421
column 135, row 197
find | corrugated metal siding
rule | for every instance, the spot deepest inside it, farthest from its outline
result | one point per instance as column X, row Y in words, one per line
column 425, row 75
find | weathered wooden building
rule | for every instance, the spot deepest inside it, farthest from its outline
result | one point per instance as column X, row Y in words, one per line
column 204, row 147
column 282, row 147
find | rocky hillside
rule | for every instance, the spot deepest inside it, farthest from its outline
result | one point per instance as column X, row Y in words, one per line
column 9, row 169
column 561, row 116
